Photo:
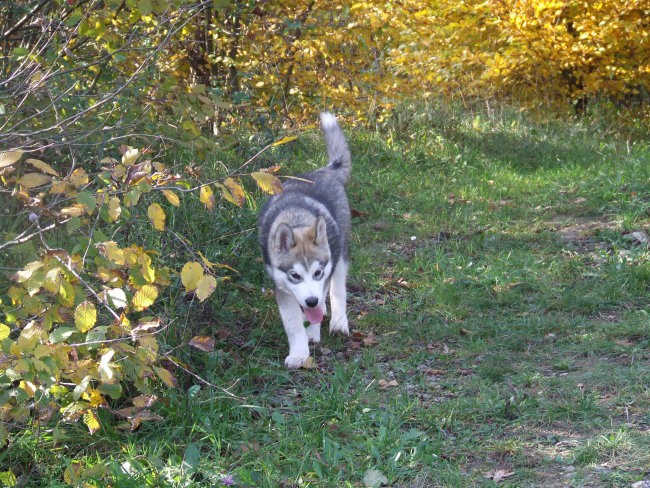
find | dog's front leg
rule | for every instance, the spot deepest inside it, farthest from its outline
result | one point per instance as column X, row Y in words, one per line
column 292, row 320
column 338, row 296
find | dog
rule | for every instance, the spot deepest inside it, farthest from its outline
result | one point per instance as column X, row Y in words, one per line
column 304, row 233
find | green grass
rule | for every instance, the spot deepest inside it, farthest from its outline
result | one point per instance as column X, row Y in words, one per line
column 491, row 263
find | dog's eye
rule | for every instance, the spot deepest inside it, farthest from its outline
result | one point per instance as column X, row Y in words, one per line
column 294, row 276
column 318, row 273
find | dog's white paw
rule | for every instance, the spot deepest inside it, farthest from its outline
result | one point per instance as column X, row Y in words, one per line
column 313, row 333
column 339, row 324
column 295, row 361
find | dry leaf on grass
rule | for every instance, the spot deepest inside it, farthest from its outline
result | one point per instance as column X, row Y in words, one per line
column 384, row 385
column 498, row 474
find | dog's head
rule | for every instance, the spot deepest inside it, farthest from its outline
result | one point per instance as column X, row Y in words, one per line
column 301, row 264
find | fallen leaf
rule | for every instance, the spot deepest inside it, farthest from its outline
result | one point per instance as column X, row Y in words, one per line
column 384, row 385
column 204, row 343
column 309, row 363
column 433, row 372
column 223, row 334
column 374, row 478
column 370, row 339
column 498, row 474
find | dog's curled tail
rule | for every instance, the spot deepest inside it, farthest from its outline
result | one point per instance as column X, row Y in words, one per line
column 337, row 148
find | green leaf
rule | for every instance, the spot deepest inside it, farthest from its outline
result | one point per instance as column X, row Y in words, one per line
column 81, row 388
column 72, row 225
column 166, row 376
column 97, row 334
column 145, row 6
column 113, row 390
column 61, row 334
column 20, row 52
column 4, row 435
column 88, row 199
column 191, row 457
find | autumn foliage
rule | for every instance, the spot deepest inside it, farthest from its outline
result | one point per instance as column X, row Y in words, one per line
column 82, row 316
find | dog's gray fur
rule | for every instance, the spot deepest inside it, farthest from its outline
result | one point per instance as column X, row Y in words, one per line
column 304, row 232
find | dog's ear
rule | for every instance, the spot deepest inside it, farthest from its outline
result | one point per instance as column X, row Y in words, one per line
column 320, row 239
column 283, row 239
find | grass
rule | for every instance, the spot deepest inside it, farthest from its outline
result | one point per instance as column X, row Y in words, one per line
column 493, row 279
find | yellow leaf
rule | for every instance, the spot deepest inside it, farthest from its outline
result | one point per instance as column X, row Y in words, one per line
column 157, row 216
column 43, row 166
column 34, row 180
column 27, row 272
column 144, row 401
column 58, row 187
column 4, row 331
column 206, row 197
column 114, row 209
column 166, row 377
column 172, row 197
column 236, row 190
column 76, row 210
column 106, row 374
column 91, row 421
column 284, row 140
column 267, row 182
column 211, row 266
column 112, row 251
column 66, row 293
column 309, row 363
column 204, row 343
column 130, row 156
column 85, row 316
column 191, row 274
column 10, row 157
column 94, row 397
column 28, row 387
column 148, row 271
column 205, row 287
column 144, row 297
column 72, row 473
column 79, row 177
column 52, row 281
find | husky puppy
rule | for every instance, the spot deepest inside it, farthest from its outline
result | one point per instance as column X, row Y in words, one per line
column 303, row 234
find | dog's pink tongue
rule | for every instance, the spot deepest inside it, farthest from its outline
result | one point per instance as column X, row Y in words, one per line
column 314, row 315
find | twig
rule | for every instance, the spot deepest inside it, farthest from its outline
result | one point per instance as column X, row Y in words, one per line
column 21, row 240
column 27, row 16
column 90, row 289
column 120, row 339
column 205, row 382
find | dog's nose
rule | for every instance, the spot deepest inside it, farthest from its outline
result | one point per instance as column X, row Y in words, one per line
column 311, row 302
